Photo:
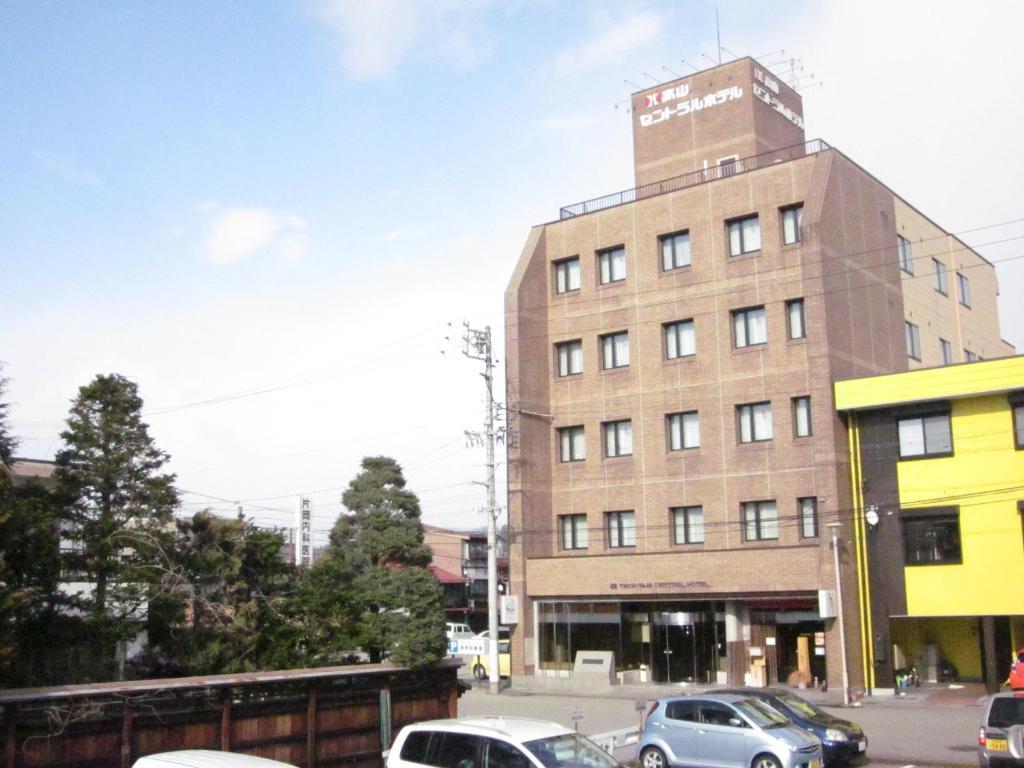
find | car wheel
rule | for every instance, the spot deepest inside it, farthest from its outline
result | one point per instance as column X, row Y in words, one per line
column 479, row 672
column 765, row 760
column 652, row 757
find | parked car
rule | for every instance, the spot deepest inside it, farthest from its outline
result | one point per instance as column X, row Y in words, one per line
column 841, row 740
column 724, row 731
column 456, row 631
column 1016, row 678
column 1001, row 739
column 495, row 742
column 481, row 665
column 206, row 758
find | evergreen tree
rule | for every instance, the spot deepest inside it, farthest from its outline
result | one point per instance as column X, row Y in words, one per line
column 116, row 509
column 8, row 444
column 396, row 604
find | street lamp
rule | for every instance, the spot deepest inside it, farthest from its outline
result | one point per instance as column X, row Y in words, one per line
column 839, row 604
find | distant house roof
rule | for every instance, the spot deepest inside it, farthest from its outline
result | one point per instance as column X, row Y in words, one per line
column 32, row 469
column 445, row 577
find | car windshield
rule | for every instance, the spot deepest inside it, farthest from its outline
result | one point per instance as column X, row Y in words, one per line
column 1006, row 711
column 803, row 707
column 570, row 750
column 760, row 714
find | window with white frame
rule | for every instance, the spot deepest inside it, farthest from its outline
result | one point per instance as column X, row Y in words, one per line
column 792, row 224
column 940, row 281
column 572, row 444
column 749, row 327
column 925, row 435
column 807, row 512
column 744, row 235
column 913, row 334
column 680, row 339
column 615, row 350
column 946, row 350
column 760, row 520
column 570, row 357
column 755, row 422
column 964, row 289
column 618, row 438
column 802, row 416
column 574, row 531
column 567, row 275
column 683, row 430
column 621, row 529
column 795, row 319
column 612, row 265
column 675, row 251
column 906, row 256
column 687, row 525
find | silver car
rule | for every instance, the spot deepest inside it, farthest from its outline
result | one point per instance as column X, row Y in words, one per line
column 1001, row 739
column 724, row 731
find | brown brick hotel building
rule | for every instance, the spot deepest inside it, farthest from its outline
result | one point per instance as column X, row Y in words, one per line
column 671, row 349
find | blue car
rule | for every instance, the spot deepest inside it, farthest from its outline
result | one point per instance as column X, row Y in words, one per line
column 841, row 740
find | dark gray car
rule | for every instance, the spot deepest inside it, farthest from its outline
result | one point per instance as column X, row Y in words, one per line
column 724, row 731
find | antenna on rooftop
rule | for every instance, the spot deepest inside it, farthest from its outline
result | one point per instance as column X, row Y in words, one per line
column 674, row 74
column 710, row 59
column 718, row 36
column 630, row 82
column 656, row 80
column 695, row 69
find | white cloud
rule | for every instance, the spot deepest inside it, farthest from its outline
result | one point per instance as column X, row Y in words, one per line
column 374, row 37
column 68, row 169
column 612, row 37
column 392, row 235
column 240, row 232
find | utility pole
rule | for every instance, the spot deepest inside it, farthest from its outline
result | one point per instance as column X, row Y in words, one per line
column 478, row 347
column 842, row 620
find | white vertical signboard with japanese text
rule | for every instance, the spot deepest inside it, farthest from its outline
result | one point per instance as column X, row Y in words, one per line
column 304, row 534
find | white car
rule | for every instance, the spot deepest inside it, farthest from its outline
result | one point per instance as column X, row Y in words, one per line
column 206, row 758
column 456, row 631
column 495, row 742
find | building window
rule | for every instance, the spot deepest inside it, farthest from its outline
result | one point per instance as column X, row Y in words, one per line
column 621, row 529
column 755, row 422
column 964, row 289
column 618, row 438
column 927, row 435
column 760, row 520
column 574, row 531
column 946, row 350
column 572, row 444
column 792, row 224
column 971, row 357
column 1018, row 425
column 795, row 319
column 612, row 264
column 683, row 430
column 940, row 282
column 615, row 350
column 749, row 327
column 570, row 357
column 807, row 511
column 744, row 235
column 931, row 537
column 680, row 339
column 913, row 340
column 675, row 251
column 802, row 416
column 567, row 275
column 906, row 258
column 687, row 525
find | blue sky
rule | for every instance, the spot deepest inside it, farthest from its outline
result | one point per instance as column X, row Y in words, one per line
column 213, row 198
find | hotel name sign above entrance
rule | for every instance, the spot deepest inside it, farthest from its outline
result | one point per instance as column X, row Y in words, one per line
column 676, row 101
column 632, row 585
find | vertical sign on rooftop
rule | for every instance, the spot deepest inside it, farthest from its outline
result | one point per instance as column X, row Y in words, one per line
column 304, row 537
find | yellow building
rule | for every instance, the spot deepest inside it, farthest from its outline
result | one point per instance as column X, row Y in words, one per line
column 938, row 480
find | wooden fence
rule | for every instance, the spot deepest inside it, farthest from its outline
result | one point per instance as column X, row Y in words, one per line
column 309, row 717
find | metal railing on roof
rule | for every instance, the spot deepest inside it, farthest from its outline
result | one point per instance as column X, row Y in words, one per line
column 694, row 178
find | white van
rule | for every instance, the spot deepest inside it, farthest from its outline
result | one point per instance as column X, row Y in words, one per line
column 206, row 758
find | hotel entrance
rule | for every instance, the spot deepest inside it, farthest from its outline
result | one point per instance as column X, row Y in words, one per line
column 683, row 647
